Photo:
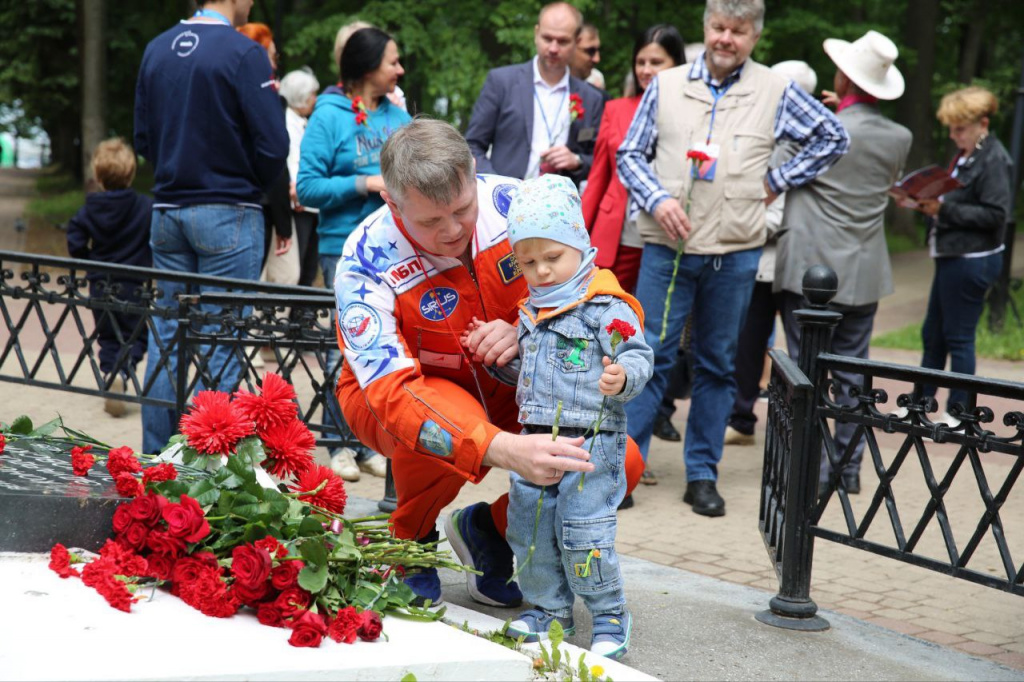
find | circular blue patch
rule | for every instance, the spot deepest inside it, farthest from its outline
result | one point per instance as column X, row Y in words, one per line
column 438, row 303
column 502, row 198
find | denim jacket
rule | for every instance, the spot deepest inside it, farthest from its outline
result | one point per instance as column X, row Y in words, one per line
column 560, row 359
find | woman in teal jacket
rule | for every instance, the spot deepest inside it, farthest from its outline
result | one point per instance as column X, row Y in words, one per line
column 339, row 170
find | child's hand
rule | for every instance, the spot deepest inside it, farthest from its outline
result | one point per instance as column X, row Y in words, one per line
column 491, row 343
column 467, row 337
column 613, row 379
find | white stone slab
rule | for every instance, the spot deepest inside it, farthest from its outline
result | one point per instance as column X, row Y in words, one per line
column 53, row 629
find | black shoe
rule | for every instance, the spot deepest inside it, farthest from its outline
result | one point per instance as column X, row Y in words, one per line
column 852, row 483
column 627, row 503
column 704, row 498
column 664, row 430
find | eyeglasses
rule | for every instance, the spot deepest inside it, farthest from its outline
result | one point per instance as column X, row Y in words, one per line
column 591, row 51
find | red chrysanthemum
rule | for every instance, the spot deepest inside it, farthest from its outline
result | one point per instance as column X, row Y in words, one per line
column 698, row 156
column 214, row 426
column 331, row 496
column 60, row 561
column 288, row 447
column 158, row 473
column 81, row 460
column 274, row 406
column 122, row 460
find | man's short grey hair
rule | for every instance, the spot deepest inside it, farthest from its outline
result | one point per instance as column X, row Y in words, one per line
column 427, row 155
column 751, row 10
column 297, row 87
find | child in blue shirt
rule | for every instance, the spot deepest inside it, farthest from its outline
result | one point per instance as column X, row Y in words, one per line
column 568, row 354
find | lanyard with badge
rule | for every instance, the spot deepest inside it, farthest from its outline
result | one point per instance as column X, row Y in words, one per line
column 211, row 14
column 705, row 170
column 544, row 166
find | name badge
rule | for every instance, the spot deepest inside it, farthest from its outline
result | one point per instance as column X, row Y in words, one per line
column 444, row 360
column 586, row 134
column 705, row 170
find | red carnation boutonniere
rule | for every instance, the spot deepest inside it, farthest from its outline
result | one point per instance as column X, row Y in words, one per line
column 576, row 109
column 698, row 156
column 360, row 109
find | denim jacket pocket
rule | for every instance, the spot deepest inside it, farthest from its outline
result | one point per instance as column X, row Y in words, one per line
column 569, row 349
column 591, row 562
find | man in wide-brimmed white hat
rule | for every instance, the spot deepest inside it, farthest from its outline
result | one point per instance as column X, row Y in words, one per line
column 837, row 220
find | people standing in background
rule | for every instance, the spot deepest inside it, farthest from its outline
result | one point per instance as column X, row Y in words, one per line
column 339, row 173
column 299, row 89
column 838, row 220
column 208, row 118
column 966, row 237
column 396, row 96
column 760, row 323
column 587, row 56
column 113, row 227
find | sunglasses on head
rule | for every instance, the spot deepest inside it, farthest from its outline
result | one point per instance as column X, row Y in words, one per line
column 591, row 51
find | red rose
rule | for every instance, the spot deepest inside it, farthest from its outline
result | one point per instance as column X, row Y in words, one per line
column 147, row 508
column 122, row 517
column 122, row 459
column 60, row 561
column 271, row 544
column 250, row 566
column 286, row 574
column 161, row 566
column 162, row 543
column 308, row 630
column 269, row 613
column 186, row 520
column 251, row 596
column 127, row 485
column 371, row 626
column 81, row 460
column 345, row 626
column 292, row 602
column 158, row 473
column 134, row 536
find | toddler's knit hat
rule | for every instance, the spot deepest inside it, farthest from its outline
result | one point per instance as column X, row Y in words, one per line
column 548, row 207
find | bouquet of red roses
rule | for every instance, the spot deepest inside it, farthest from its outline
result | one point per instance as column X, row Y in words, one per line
column 223, row 541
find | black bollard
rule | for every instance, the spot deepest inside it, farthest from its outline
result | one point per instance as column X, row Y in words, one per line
column 390, row 502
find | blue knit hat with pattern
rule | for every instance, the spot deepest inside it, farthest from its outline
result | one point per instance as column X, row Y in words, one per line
column 548, row 207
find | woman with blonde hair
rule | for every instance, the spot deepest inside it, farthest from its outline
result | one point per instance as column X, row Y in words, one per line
column 966, row 237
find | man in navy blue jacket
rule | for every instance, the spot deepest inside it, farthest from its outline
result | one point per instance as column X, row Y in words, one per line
column 207, row 117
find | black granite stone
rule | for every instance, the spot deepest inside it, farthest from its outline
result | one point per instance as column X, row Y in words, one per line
column 42, row 502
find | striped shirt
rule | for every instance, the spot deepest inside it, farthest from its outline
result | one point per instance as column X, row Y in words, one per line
column 799, row 118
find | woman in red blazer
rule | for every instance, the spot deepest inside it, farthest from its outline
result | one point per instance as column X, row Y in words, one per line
column 605, row 200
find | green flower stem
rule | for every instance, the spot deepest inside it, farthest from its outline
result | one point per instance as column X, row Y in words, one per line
column 679, row 254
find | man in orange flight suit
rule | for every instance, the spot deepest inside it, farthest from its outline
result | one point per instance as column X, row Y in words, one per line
column 411, row 279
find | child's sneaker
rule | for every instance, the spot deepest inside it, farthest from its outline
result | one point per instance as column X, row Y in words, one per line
column 611, row 634
column 533, row 625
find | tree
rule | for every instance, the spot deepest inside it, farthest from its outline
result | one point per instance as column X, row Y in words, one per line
column 94, row 51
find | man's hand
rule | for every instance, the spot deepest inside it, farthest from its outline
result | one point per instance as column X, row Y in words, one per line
column 561, row 158
column 282, row 246
column 829, row 99
column 536, row 457
column 296, row 206
column 673, row 219
column 769, row 195
column 491, row 343
column 613, row 378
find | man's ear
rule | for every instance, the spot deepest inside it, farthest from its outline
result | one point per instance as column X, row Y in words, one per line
column 386, row 196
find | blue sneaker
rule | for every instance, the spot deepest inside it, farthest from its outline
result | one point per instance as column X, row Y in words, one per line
column 611, row 634
column 488, row 553
column 533, row 625
column 426, row 585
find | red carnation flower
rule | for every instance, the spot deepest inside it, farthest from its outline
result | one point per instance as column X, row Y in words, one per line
column 122, row 460
column 371, row 626
column 345, row 626
column 331, row 496
column 274, row 406
column 81, row 460
column 159, row 473
column 213, row 426
column 60, row 562
column 3, row 442
column 273, row 547
column 699, row 156
column 186, row 520
column 127, row 485
column 361, row 118
column 625, row 329
column 308, row 630
column 288, row 447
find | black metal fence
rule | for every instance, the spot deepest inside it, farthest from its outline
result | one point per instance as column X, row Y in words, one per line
column 794, row 510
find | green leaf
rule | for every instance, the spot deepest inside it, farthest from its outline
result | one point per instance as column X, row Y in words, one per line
column 313, row 579
column 44, row 430
column 172, row 490
column 189, row 455
column 239, row 465
column 556, row 634
column 204, row 492
column 310, row 526
column 313, row 552
column 251, row 449
column 226, row 478
column 254, row 532
column 584, row 671
column 408, row 677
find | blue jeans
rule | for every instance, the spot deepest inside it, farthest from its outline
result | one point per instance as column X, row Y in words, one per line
column 716, row 291
column 954, row 308
column 575, row 549
column 218, row 240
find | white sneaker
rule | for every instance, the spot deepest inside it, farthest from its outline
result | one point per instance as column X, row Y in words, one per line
column 949, row 420
column 734, row 437
column 344, row 464
column 900, row 412
column 375, row 465
column 116, row 408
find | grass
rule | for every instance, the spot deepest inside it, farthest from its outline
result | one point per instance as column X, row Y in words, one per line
column 1007, row 344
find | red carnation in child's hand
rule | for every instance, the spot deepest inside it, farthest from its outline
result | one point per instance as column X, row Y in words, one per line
column 331, row 496
column 60, row 561
column 214, row 426
column 81, row 460
column 288, row 448
column 186, row 520
column 625, row 329
column 273, row 407
column 345, row 626
column 698, row 156
column 122, row 460
column 159, row 473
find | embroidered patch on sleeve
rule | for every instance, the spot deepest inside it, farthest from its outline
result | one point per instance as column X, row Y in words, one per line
column 508, row 268
column 435, row 440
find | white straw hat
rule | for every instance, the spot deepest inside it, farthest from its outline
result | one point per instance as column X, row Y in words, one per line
column 868, row 61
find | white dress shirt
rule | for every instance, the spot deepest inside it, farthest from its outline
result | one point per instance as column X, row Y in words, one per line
column 550, row 102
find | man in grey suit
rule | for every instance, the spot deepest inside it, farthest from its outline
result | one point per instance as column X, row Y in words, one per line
column 837, row 220
column 536, row 117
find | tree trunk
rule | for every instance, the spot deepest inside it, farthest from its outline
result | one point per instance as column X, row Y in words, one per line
column 94, row 68
column 970, row 47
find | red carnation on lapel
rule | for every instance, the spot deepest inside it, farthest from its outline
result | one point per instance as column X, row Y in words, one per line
column 698, row 156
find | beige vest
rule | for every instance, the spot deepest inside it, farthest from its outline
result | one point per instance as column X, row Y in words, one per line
column 727, row 214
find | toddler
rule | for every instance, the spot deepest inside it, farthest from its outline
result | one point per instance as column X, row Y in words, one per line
column 567, row 355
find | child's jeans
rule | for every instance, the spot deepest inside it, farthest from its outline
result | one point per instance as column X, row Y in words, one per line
column 575, row 551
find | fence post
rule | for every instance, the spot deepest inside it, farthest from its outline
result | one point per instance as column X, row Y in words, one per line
column 792, row 608
column 390, row 502
column 185, row 303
